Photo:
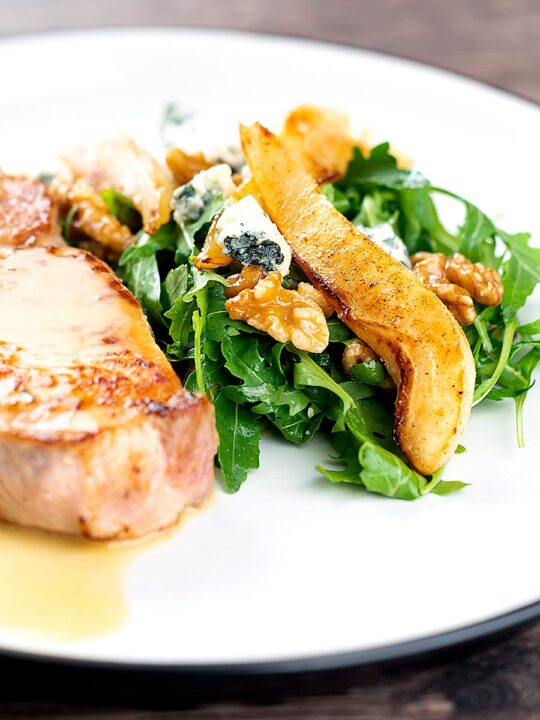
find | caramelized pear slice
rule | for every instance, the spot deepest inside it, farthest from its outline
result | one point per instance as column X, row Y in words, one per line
column 420, row 342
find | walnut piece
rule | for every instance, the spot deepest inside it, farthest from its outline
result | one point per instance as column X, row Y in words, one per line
column 458, row 282
column 483, row 283
column 92, row 218
column 355, row 353
column 245, row 280
column 284, row 314
column 308, row 291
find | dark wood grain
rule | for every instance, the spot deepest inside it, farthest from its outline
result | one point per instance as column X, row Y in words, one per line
column 497, row 41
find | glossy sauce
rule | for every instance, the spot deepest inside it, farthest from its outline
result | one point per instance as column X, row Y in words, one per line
column 65, row 588
column 68, row 588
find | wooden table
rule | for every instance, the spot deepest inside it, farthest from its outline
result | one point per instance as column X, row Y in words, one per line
column 497, row 41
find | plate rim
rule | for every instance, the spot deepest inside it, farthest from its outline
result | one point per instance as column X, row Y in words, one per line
column 268, row 36
column 417, row 647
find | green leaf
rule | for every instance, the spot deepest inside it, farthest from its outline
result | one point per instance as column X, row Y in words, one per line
column 215, row 376
column 518, row 284
column 487, row 385
column 338, row 199
column 532, row 328
column 381, row 168
column 198, row 325
column 383, row 472
column 308, row 374
column 298, row 429
column 475, row 231
column 214, row 207
column 66, row 223
column 121, row 207
column 239, row 439
column 339, row 332
column 147, row 245
column 481, row 327
column 446, row 487
column 269, row 398
column 419, row 222
column 200, row 279
column 349, row 472
column 181, row 316
column 371, row 372
column 176, row 283
column 528, row 257
column 144, row 282
column 245, row 361
column 218, row 322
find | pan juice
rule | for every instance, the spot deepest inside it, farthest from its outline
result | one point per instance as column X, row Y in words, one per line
column 67, row 588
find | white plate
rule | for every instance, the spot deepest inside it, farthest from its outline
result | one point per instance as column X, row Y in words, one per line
column 292, row 567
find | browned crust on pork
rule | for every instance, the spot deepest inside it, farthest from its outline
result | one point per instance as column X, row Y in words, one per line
column 28, row 215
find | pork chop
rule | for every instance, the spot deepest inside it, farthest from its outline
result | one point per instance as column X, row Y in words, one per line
column 28, row 215
column 97, row 435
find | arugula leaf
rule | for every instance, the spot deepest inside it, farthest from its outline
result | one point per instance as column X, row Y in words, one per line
column 200, row 279
column 532, row 328
column 381, row 168
column 383, row 473
column 176, row 284
column 446, row 487
column 214, row 207
column 67, row 222
column 419, row 224
column 476, row 230
column 348, row 458
column 198, row 325
column 528, row 257
column 239, row 438
column 218, row 322
column 181, row 316
column 339, row 332
column 121, row 207
column 307, row 373
column 143, row 279
column 371, row 372
column 487, row 385
column 148, row 245
column 337, row 198
column 269, row 398
column 518, row 284
column 299, row 428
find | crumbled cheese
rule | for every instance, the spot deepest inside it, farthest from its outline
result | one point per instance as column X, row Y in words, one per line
column 246, row 233
column 385, row 237
column 232, row 155
column 190, row 200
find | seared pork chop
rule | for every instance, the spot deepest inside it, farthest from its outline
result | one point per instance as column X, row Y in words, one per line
column 97, row 435
column 28, row 215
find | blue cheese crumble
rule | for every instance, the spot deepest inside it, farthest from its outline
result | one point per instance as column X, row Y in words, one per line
column 190, row 200
column 246, row 233
column 232, row 155
column 384, row 236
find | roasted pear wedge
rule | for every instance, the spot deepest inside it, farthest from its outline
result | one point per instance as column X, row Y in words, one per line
column 420, row 342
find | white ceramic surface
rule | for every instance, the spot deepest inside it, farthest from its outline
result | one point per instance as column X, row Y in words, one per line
column 291, row 566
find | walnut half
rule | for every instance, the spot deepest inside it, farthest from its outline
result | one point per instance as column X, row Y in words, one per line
column 284, row 314
column 92, row 218
column 311, row 292
column 458, row 282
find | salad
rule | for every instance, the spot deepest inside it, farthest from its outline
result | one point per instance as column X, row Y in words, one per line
column 244, row 321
